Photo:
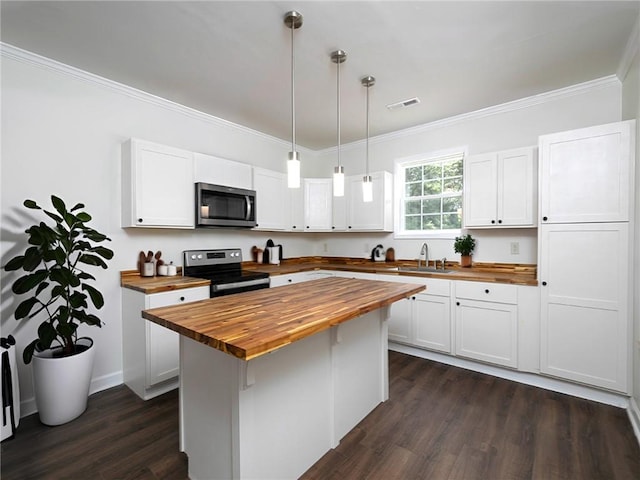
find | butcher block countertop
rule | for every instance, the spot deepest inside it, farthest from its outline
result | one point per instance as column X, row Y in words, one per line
column 131, row 279
column 509, row 273
column 247, row 325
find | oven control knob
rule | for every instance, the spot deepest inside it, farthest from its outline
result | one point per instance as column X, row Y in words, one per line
column 193, row 257
column 199, row 256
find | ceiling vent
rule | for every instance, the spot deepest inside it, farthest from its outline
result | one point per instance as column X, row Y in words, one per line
column 404, row 103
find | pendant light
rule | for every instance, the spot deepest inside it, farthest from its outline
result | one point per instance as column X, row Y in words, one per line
column 338, row 57
column 293, row 20
column 367, row 182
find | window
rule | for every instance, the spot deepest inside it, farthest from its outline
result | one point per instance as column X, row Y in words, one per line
column 430, row 195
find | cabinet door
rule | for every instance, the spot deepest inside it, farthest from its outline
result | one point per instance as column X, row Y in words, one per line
column 585, row 174
column 432, row 325
column 296, row 209
column 480, row 187
column 517, row 187
column 585, row 328
column 150, row 171
column 370, row 216
column 400, row 321
column 163, row 345
column 273, row 212
column 487, row 331
column 318, row 207
column 219, row 171
column 340, row 211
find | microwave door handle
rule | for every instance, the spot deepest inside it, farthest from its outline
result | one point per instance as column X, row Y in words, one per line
column 248, row 200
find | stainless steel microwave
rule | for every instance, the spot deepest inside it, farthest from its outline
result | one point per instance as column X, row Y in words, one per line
column 221, row 206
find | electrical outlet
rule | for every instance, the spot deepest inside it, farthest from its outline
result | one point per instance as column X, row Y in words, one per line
column 515, row 248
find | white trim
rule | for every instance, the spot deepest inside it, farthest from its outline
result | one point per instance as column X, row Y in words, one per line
column 24, row 56
column 553, row 95
column 634, row 417
column 533, row 379
column 630, row 51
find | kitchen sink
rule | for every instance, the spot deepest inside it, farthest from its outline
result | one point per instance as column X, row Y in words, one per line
column 424, row 269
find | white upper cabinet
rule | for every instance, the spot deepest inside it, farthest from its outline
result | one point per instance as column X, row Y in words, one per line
column 318, row 205
column 370, row 216
column 157, row 186
column 585, row 174
column 500, row 189
column 273, row 209
column 219, row 171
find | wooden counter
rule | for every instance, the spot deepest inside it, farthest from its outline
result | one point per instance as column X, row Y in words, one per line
column 508, row 273
column 250, row 324
column 131, row 279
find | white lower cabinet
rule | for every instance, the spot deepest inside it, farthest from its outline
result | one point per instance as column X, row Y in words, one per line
column 150, row 351
column 486, row 322
column 423, row 320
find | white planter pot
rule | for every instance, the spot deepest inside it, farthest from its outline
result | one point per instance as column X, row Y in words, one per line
column 62, row 384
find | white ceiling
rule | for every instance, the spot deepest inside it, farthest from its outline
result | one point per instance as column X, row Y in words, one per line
column 232, row 59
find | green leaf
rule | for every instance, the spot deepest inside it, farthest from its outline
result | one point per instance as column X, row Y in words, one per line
column 56, row 218
column 66, row 329
column 41, row 287
column 15, row 263
column 78, row 300
column 32, row 258
column 31, row 204
column 96, row 297
column 92, row 260
column 46, row 334
column 27, row 282
column 59, row 205
column 89, row 319
column 27, row 353
column 24, row 308
column 104, row 252
column 86, row 276
column 84, row 217
column 77, row 206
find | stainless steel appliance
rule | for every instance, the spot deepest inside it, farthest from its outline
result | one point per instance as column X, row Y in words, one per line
column 222, row 206
column 224, row 268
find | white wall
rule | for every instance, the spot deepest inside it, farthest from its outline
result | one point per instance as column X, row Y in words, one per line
column 61, row 134
column 513, row 125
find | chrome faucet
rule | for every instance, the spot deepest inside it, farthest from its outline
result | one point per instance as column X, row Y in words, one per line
column 424, row 251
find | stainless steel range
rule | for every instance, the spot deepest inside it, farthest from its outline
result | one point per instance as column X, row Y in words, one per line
column 224, row 268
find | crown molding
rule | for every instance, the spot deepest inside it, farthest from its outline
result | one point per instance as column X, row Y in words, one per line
column 24, row 56
column 630, row 51
column 553, row 95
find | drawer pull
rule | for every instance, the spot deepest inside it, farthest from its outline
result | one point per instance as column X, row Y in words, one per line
column 458, row 303
column 182, row 299
column 486, row 291
column 544, row 284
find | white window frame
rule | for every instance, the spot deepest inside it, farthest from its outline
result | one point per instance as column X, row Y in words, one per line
column 398, row 193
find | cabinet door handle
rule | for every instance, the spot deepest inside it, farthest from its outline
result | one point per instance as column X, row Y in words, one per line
column 544, row 219
column 486, row 291
column 544, row 284
column 333, row 228
column 499, row 221
column 458, row 303
column 294, row 226
column 139, row 220
column 413, row 298
column 493, row 221
column 349, row 226
column 307, row 226
column 182, row 299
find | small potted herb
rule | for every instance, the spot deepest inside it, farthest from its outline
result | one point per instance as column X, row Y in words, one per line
column 464, row 245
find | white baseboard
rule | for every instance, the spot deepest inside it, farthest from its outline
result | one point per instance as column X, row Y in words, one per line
column 540, row 381
column 634, row 416
column 28, row 406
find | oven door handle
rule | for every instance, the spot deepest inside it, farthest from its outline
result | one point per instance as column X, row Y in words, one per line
column 247, row 283
column 248, row 200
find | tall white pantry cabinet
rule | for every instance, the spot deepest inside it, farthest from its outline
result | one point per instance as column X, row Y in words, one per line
column 585, row 254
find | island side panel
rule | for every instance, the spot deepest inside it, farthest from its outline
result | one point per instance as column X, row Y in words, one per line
column 360, row 370
column 209, row 386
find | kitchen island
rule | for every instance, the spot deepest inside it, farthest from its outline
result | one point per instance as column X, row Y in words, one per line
column 270, row 380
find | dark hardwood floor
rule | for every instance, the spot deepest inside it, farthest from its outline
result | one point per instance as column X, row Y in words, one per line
column 441, row 422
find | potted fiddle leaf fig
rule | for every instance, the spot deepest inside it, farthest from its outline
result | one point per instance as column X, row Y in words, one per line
column 56, row 278
column 464, row 245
